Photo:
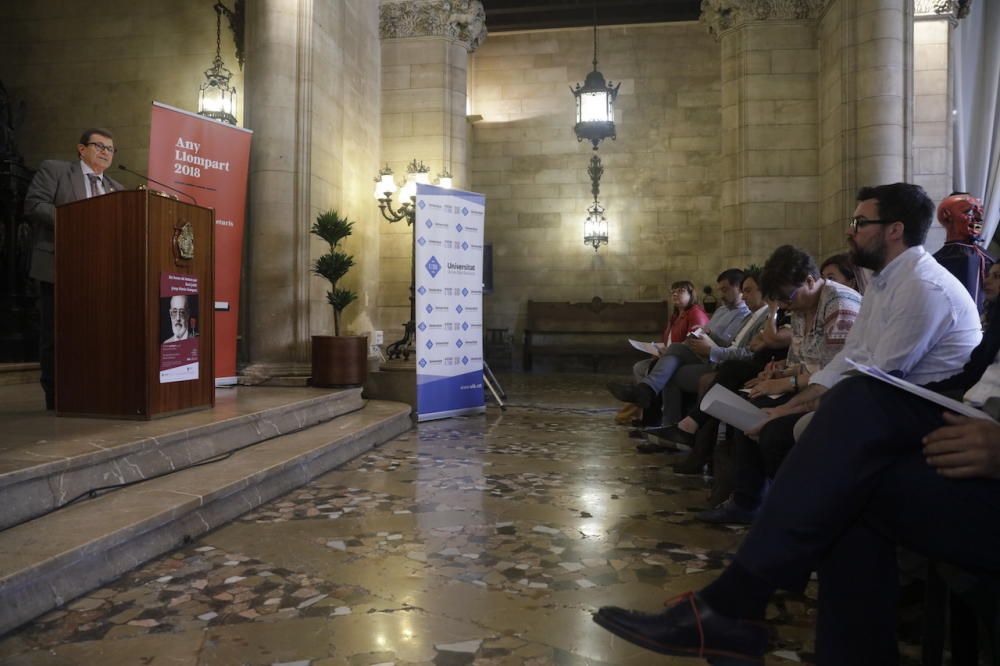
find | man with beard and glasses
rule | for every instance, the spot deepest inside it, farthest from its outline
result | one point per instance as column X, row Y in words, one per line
column 875, row 468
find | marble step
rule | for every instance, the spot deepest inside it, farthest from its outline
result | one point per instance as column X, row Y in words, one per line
column 47, row 461
column 19, row 373
column 53, row 559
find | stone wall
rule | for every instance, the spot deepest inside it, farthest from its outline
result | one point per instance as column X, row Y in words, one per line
column 837, row 184
column 932, row 122
column 315, row 72
column 661, row 179
column 345, row 141
column 862, row 106
column 770, row 138
column 423, row 118
column 101, row 63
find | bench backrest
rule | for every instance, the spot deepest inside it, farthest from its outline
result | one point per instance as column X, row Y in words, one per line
column 597, row 316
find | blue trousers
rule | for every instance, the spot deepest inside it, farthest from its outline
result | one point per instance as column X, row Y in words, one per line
column 853, row 488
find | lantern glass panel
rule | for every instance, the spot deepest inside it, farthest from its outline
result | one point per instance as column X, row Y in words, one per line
column 408, row 191
column 386, row 185
column 594, row 107
column 211, row 99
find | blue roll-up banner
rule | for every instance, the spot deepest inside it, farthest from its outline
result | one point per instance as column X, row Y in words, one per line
column 448, row 252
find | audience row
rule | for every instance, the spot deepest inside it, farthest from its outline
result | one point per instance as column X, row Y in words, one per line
column 845, row 467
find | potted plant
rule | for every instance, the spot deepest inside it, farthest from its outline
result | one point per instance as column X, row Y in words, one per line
column 337, row 360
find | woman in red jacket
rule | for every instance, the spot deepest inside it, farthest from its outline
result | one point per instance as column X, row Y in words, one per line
column 687, row 315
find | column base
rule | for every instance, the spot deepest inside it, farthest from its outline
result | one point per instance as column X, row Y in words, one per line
column 275, row 374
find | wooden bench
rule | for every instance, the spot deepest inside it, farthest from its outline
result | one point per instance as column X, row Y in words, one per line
column 605, row 327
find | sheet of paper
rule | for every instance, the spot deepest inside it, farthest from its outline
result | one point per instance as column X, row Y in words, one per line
column 909, row 387
column 648, row 347
column 730, row 408
column 772, row 396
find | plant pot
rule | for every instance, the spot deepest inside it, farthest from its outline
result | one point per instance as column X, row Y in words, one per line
column 339, row 360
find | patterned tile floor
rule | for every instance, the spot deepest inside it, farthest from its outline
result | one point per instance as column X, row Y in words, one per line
column 482, row 540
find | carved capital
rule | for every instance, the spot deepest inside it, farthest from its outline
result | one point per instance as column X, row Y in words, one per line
column 952, row 10
column 719, row 16
column 461, row 20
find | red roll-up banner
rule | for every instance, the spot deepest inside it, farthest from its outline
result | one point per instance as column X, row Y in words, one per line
column 209, row 160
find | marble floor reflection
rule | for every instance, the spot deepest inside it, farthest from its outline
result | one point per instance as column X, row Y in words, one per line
column 474, row 540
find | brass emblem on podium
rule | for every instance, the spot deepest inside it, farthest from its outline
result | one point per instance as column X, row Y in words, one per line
column 183, row 242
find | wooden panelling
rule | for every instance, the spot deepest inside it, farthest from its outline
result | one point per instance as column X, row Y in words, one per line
column 110, row 253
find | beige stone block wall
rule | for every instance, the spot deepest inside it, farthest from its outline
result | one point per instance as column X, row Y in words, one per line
column 837, row 184
column 770, row 147
column 862, row 106
column 932, row 122
column 315, row 146
column 344, row 156
column 101, row 63
column 661, row 180
column 314, row 78
column 423, row 117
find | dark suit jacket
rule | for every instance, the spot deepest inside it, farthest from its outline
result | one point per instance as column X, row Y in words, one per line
column 55, row 183
column 982, row 356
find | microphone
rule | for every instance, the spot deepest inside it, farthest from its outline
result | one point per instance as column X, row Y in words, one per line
column 145, row 177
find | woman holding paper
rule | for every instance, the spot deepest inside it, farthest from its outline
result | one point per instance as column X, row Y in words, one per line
column 687, row 317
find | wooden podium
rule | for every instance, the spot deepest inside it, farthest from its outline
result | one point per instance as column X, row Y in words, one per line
column 115, row 256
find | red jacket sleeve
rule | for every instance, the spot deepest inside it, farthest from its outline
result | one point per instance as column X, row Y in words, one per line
column 697, row 317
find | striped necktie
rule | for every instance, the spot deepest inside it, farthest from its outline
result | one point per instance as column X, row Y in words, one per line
column 96, row 188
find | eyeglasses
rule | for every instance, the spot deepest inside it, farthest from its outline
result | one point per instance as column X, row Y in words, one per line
column 102, row 148
column 790, row 298
column 860, row 222
column 174, row 314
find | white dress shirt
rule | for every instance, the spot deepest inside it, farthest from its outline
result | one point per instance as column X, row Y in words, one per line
column 917, row 321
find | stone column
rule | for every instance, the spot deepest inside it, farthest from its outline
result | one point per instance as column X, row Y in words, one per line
column 862, row 105
column 878, row 91
column 770, row 136
column 313, row 101
column 425, row 50
column 278, row 83
column 932, row 104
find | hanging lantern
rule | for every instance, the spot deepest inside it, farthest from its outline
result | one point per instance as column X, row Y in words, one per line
column 595, row 104
column 217, row 96
column 595, row 227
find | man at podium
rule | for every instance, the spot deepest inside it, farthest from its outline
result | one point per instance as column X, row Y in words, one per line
column 57, row 183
